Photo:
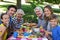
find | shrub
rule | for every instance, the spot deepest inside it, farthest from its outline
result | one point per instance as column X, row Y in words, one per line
column 29, row 11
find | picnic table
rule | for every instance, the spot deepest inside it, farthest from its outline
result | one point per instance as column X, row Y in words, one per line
column 12, row 38
column 34, row 33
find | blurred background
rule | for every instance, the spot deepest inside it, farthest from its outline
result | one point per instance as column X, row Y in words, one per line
column 29, row 5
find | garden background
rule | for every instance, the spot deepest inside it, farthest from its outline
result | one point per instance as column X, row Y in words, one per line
column 28, row 7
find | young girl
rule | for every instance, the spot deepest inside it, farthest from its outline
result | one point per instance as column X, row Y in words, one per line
column 3, row 26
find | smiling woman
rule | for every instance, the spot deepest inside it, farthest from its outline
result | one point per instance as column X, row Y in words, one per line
column 48, row 11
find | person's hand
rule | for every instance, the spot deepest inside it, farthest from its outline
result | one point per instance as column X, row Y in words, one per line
column 47, row 33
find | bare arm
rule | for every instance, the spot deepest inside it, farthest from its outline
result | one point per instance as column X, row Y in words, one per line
column 47, row 33
column 50, row 33
column 2, row 30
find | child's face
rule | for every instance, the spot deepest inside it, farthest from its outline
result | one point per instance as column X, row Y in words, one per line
column 5, row 19
column 53, row 22
column 18, row 15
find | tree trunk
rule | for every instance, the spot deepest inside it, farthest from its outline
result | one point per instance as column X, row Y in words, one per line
column 1, row 0
column 18, row 4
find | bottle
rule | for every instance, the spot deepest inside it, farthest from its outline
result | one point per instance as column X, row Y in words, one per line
column 41, row 29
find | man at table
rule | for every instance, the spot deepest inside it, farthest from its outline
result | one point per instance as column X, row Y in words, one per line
column 40, row 15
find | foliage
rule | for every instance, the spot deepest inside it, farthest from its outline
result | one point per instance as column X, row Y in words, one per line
column 53, row 1
column 29, row 11
column 30, row 18
column 56, row 10
column 35, row 3
column 1, row 0
column 49, row 1
column 30, row 15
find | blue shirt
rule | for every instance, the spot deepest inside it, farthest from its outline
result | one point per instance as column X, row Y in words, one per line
column 43, row 23
column 56, row 33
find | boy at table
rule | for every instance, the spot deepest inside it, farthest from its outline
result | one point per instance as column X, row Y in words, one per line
column 18, row 20
column 4, row 26
column 55, row 28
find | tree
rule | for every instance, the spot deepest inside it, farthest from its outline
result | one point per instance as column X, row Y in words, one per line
column 35, row 3
column 53, row 1
column 18, row 4
column 1, row 0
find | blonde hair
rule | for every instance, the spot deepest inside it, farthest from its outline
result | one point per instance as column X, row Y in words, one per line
column 20, row 11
